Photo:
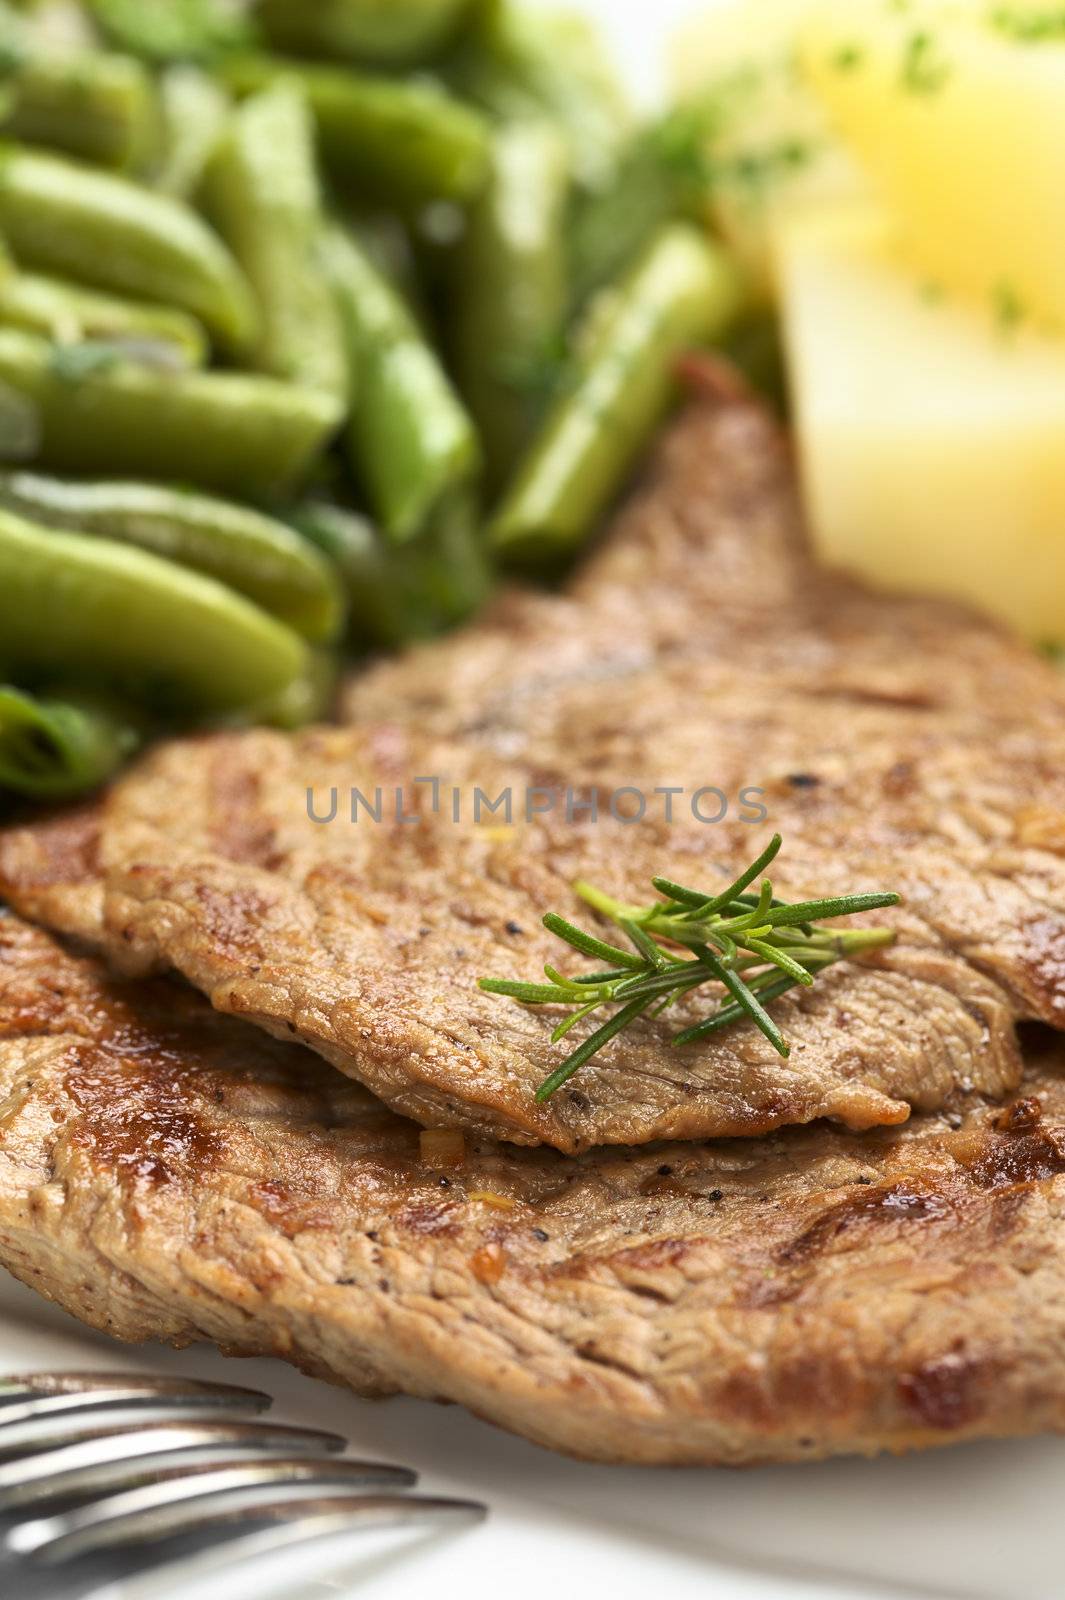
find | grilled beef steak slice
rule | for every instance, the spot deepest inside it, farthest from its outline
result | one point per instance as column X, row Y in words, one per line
column 899, row 744
column 170, row 1173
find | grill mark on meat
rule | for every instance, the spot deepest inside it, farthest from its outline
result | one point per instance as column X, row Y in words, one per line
column 1026, row 1158
column 150, row 1136
column 895, row 1204
column 232, row 921
column 290, row 1213
column 235, row 791
column 62, row 850
column 349, row 937
column 948, row 1392
column 168, row 1172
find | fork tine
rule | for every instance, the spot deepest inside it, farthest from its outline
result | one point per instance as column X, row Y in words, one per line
column 73, row 1467
column 89, row 1429
column 25, row 1397
column 111, row 1478
column 293, row 1526
column 163, row 1510
column 49, row 1429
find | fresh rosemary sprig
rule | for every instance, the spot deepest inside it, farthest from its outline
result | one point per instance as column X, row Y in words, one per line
column 751, row 945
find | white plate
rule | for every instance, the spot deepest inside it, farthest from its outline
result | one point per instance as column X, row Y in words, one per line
column 980, row 1522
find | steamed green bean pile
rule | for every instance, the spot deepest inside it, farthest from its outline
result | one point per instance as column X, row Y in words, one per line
column 312, row 318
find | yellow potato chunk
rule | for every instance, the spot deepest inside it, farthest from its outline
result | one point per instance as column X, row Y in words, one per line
column 772, row 152
column 957, row 109
column 930, row 432
column 735, row 33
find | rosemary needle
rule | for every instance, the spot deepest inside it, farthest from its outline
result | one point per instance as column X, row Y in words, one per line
column 751, row 947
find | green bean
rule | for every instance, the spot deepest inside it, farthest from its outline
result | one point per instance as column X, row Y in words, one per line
column 257, row 556
column 522, row 63
column 54, row 748
column 109, row 232
column 19, row 427
column 262, row 191
column 171, row 30
column 683, row 291
column 410, row 439
column 510, row 288
column 194, row 109
column 397, row 596
column 662, row 175
column 308, row 698
column 66, row 313
column 160, row 635
column 100, row 108
column 387, row 241
column 406, row 142
column 237, row 433
column 453, row 572
column 386, row 33
column 382, row 613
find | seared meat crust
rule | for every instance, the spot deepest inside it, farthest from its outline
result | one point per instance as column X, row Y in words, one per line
column 898, row 744
column 169, row 1173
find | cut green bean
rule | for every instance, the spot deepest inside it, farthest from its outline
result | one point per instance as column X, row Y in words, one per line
column 55, row 748
column 245, row 435
column 106, row 231
column 67, row 313
column 510, row 290
column 262, row 192
column 194, row 110
column 520, row 63
column 382, row 611
column 308, row 698
column 20, row 431
column 453, row 572
column 411, row 440
column 100, row 108
column 405, row 142
column 162, row 636
column 260, row 558
column 684, row 291
column 386, row 33
column 171, row 30
column 661, row 176
column 397, row 596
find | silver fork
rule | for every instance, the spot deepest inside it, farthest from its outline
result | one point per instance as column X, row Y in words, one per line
column 199, row 1466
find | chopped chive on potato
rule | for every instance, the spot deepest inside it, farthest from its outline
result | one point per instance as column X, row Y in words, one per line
column 772, row 152
column 957, row 110
column 930, row 429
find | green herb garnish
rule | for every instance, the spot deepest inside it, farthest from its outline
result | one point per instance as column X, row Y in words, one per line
column 1007, row 306
column 848, row 57
column 923, row 69
column 750, row 945
column 1029, row 24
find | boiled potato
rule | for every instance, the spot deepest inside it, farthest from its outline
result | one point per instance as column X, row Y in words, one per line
column 735, row 33
column 772, row 151
column 957, row 109
column 930, row 435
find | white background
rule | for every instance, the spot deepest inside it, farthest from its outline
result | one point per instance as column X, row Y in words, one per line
column 978, row 1521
